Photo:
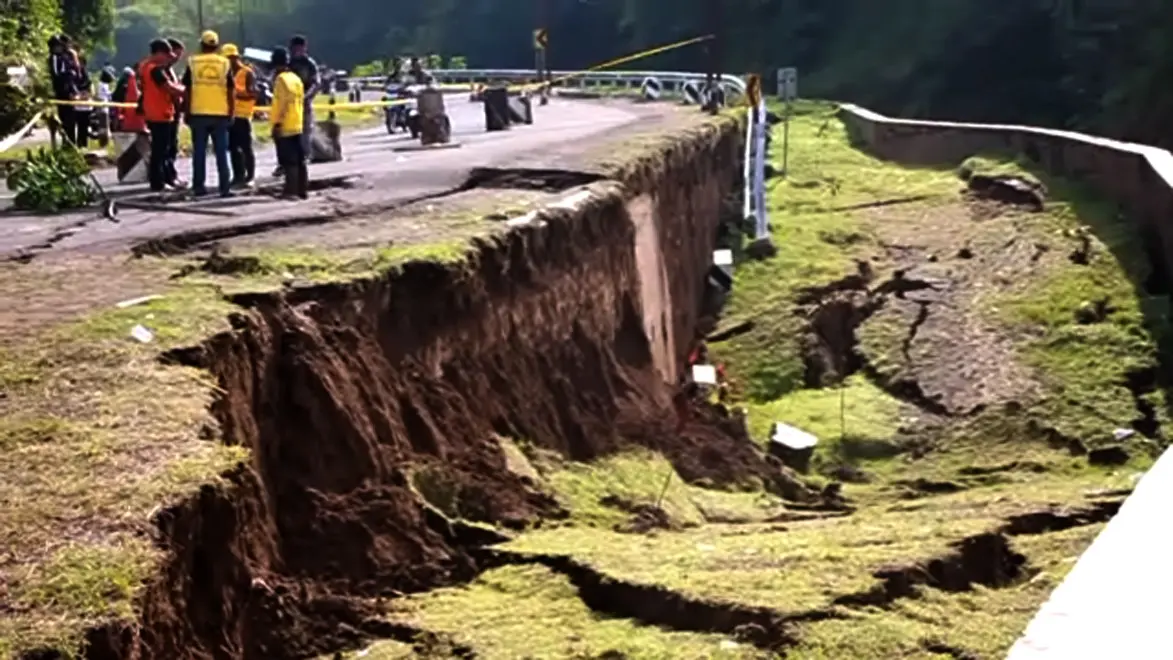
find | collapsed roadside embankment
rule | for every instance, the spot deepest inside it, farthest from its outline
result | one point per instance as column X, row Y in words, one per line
column 1137, row 177
column 567, row 331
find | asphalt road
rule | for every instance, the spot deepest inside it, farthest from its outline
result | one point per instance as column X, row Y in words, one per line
column 382, row 171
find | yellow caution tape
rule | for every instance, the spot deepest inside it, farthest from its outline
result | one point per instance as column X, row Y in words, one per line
column 619, row 60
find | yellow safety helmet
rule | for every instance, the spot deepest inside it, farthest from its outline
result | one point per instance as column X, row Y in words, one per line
column 229, row 50
column 210, row 38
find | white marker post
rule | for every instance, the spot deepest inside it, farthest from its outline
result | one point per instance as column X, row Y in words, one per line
column 787, row 93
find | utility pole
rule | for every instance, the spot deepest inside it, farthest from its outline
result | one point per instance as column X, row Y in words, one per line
column 541, row 20
column 200, row 14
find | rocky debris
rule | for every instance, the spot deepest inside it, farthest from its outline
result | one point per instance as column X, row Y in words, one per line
column 761, row 249
column 1007, row 189
column 326, row 142
column 1096, row 311
column 1081, row 255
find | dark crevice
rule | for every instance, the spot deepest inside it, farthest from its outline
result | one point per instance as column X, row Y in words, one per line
column 183, row 242
column 654, row 605
column 1057, row 520
column 545, row 180
column 985, row 559
column 949, row 650
column 922, row 315
column 1142, row 383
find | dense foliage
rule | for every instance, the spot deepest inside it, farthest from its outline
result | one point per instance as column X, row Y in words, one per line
column 1094, row 64
column 49, row 180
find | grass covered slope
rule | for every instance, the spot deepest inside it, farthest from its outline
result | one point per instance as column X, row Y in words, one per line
column 97, row 435
column 940, row 348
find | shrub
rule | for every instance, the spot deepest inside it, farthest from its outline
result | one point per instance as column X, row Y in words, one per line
column 51, row 180
column 457, row 62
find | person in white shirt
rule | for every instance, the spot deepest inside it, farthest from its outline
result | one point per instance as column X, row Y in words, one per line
column 105, row 95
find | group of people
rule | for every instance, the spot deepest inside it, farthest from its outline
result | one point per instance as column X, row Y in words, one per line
column 217, row 98
column 73, row 87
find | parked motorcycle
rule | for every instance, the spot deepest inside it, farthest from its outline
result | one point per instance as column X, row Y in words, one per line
column 401, row 116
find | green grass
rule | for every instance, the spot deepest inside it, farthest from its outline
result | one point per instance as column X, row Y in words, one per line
column 257, row 269
column 640, row 476
column 817, row 242
column 96, row 434
column 1085, row 366
column 985, row 622
column 531, row 612
column 856, row 420
column 802, row 566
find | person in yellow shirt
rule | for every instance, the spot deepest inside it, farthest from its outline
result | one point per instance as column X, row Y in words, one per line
column 240, row 135
column 286, row 116
column 209, row 104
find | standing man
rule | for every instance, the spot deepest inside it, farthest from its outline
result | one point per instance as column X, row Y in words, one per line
column 173, row 179
column 209, row 103
column 240, row 136
column 160, row 93
column 61, row 73
column 288, row 119
column 306, row 68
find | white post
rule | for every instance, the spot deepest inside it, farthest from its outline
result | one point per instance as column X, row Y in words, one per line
column 747, row 170
column 759, row 173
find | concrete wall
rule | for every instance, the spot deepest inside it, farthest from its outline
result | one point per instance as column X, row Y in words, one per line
column 1138, row 177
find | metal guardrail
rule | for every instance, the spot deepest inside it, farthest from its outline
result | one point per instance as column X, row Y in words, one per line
column 672, row 81
column 754, row 205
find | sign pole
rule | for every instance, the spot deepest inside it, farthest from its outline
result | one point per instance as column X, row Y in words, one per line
column 787, row 92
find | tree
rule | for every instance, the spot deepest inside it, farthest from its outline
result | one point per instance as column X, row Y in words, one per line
column 89, row 22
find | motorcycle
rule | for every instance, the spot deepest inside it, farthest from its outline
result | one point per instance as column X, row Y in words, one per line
column 402, row 116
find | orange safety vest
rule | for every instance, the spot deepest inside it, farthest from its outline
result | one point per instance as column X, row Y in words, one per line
column 158, row 105
column 244, row 107
column 131, row 120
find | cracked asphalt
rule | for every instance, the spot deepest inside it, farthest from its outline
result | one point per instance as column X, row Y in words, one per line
column 378, row 172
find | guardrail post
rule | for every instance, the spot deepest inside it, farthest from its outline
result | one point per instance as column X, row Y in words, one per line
column 333, row 117
column 762, row 245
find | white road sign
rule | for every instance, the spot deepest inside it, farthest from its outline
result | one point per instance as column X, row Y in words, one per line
column 788, row 84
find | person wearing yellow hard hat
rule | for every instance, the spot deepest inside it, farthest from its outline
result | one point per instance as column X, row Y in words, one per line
column 209, row 105
column 287, row 116
column 240, row 135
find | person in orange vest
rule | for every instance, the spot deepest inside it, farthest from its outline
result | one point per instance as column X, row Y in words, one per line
column 240, row 135
column 130, row 120
column 209, row 104
column 160, row 91
column 287, row 117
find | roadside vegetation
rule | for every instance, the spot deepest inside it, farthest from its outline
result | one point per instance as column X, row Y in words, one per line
column 926, row 477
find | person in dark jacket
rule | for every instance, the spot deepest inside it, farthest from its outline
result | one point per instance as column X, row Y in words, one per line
column 82, row 114
column 64, row 80
column 306, row 68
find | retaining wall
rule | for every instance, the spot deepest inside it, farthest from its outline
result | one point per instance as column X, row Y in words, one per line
column 1138, row 177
